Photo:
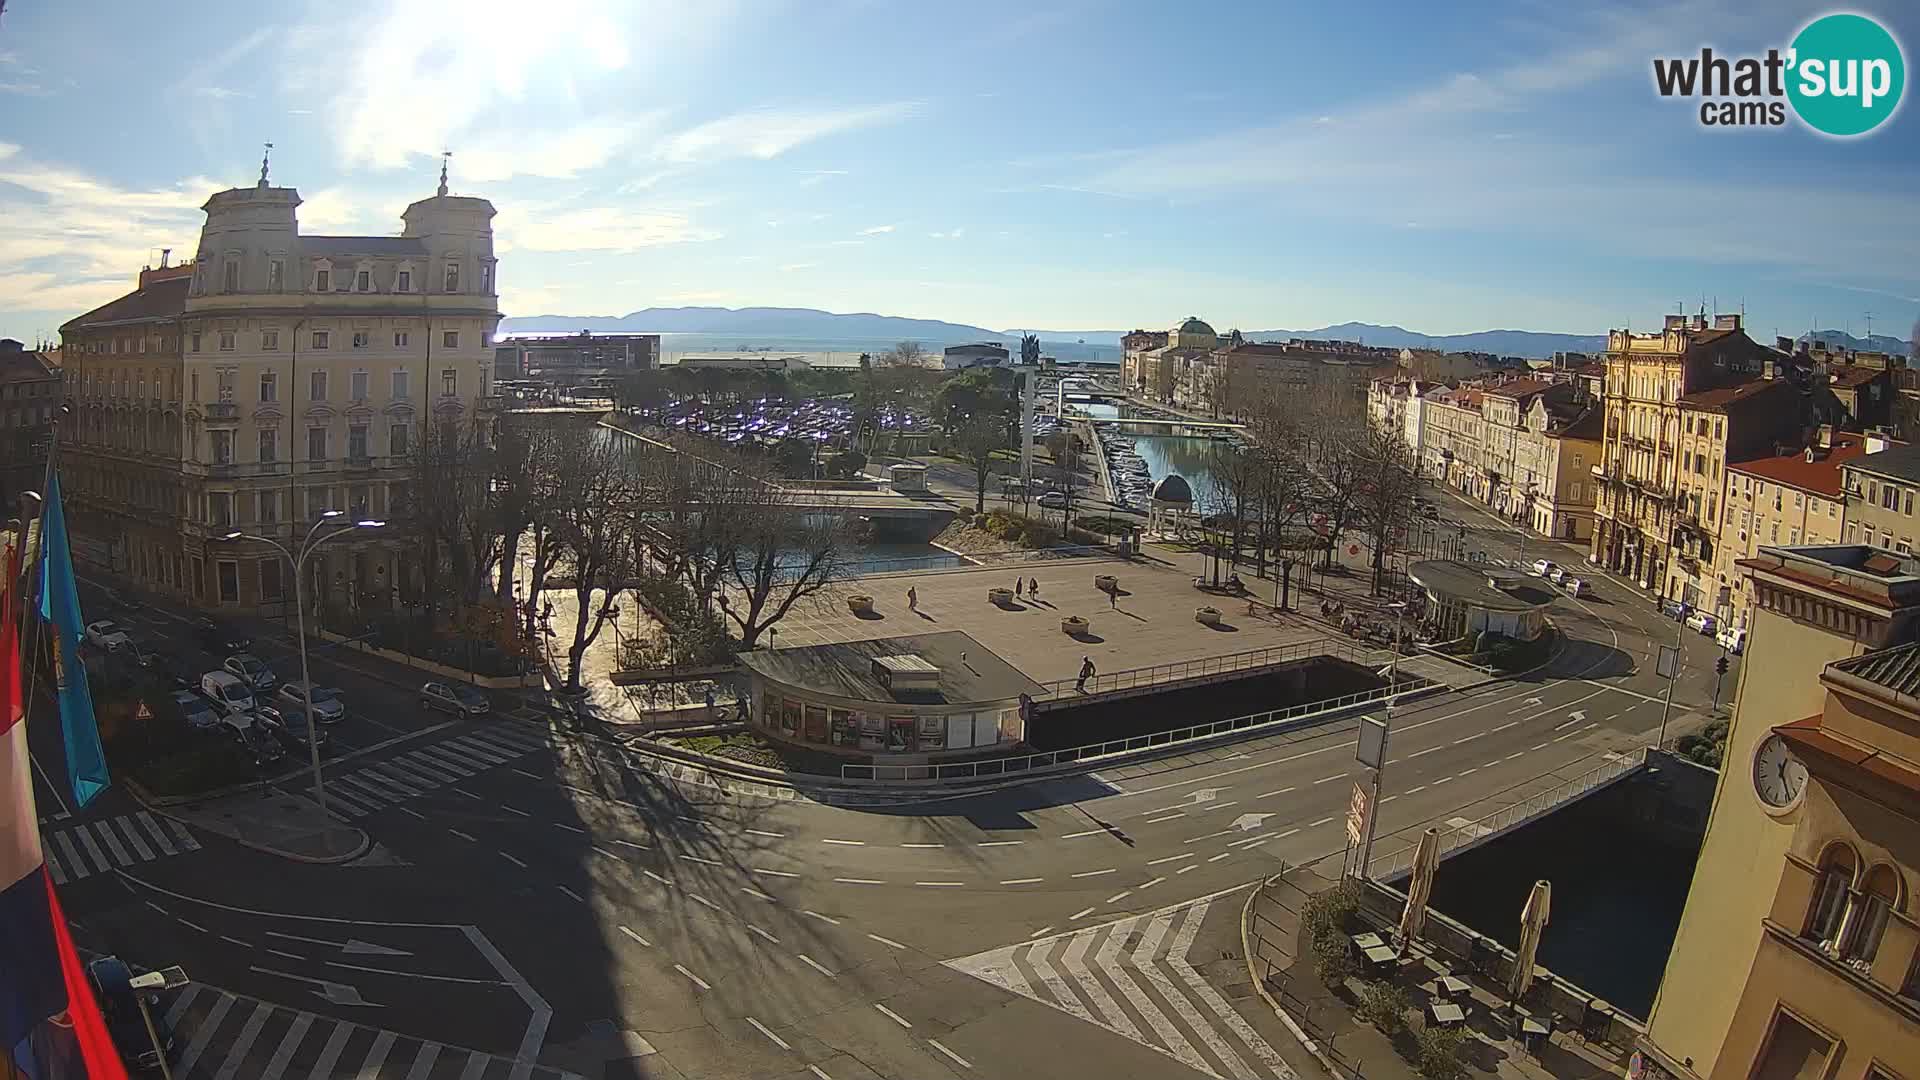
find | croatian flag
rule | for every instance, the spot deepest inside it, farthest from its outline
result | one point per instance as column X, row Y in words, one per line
column 60, row 606
column 50, row 1026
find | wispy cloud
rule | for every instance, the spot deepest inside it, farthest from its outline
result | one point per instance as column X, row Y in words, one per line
column 219, row 93
column 876, row 230
column 795, row 267
column 768, row 133
column 596, row 228
column 810, row 177
column 950, row 234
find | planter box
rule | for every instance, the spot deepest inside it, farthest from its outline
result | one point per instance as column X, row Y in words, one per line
column 1106, row 582
column 1208, row 615
column 860, row 605
column 1000, row 596
column 1074, row 624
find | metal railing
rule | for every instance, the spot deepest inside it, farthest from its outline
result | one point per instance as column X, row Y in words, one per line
column 858, row 568
column 1252, row 724
column 1398, row 862
column 1181, row 670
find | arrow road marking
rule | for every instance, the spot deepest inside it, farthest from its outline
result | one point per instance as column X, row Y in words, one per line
column 337, row 993
column 352, row 947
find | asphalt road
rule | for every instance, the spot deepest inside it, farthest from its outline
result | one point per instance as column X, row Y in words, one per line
column 536, row 897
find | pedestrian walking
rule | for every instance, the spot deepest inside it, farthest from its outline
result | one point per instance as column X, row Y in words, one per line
column 1018, row 584
column 1113, row 599
column 913, row 599
column 1033, row 587
column 1086, row 672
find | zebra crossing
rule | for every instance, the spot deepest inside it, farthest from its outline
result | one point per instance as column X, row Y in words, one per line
column 95, row 847
column 381, row 784
column 219, row 1036
column 1133, row 978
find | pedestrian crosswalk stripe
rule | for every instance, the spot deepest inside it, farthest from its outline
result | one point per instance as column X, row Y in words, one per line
column 477, row 749
column 1163, row 1002
column 438, row 773
column 429, row 768
column 226, row 1038
column 93, row 849
column 112, row 839
column 154, row 830
column 454, row 772
column 461, row 765
column 133, row 837
column 350, row 799
column 398, row 778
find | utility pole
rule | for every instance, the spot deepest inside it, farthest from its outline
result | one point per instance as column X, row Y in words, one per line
column 1668, row 664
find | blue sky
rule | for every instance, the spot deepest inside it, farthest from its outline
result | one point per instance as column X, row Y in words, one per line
column 1448, row 167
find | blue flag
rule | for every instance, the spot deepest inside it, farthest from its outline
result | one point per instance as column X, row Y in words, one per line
column 60, row 606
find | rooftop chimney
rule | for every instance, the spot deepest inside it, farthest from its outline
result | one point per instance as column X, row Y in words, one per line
column 1826, row 436
column 165, row 254
column 1876, row 443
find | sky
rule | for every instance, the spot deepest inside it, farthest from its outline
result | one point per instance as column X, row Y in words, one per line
column 1043, row 163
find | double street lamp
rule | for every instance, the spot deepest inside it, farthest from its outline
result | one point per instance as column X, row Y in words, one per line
column 312, row 540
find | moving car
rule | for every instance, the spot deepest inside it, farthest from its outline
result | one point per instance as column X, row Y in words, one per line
column 113, row 987
column 289, row 724
column 1673, row 609
column 107, row 634
column 229, row 695
column 1702, row 621
column 456, row 698
column 219, row 637
column 253, row 670
column 1431, row 513
column 1731, row 639
column 327, row 706
column 1557, row 575
column 1054, row 500
column 1576, row 587
column 1543, row 567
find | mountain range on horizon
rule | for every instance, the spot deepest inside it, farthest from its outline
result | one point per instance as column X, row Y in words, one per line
column 761, row 325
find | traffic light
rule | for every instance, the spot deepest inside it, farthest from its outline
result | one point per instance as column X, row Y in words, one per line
column 1720, row 666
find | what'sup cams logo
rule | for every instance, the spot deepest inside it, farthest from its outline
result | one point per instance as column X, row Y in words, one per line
column 1843, row 76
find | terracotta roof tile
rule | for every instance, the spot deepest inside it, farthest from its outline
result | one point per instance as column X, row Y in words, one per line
column 1723, row 396
column 1820, row 477
column 159, row 300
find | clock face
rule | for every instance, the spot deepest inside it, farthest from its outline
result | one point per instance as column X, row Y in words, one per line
column 1778, row 777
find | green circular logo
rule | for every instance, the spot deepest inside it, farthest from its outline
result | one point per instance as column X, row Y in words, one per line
column 1846, row 75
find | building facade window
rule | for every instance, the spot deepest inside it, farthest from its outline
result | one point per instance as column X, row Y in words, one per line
column 316, row 386
column 449, row 382
column 276, row 275
column 270, row 340
column 270, row 581
column 1878, row 898
column 453, row 278
column 323, row 280
column 358, row 383
column 228, row 573
column 401, row 385
column 269, row 386
column 269, row 445
column 1829, row 907
column 486, row 279
column 360, row 338
column 450, row 339
column 405, row 283
column 363, row 281
column 322, row 339
column 232, row 279
column 397, row 440
column 193, row 338
column 270, row 510
column 357, row 442
column 317, row 444
column 222, row 447
column 399, row 339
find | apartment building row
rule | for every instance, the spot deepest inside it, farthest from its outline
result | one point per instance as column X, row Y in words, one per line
column 1195, row 368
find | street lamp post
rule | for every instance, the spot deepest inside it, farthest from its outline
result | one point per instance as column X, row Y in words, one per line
column 308, row 544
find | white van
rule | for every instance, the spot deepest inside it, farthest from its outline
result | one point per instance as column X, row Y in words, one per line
column 228, row 694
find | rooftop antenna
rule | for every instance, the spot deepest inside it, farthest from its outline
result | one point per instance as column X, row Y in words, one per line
column 445, row 156
column 264, row 155
column 1869, row 329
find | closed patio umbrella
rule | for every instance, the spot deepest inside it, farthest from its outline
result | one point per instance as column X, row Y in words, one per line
column 1533, row 920
column 1426, row 860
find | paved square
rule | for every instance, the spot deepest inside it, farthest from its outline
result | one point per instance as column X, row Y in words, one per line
column 1151, row 621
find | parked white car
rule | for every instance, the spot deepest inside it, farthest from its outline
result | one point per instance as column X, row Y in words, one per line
column 230, row 696
column 1576, row 587
column 107, row 634
column 1702, row 621
column 1544, row 567
column 1733, row 640
column 1557, row 575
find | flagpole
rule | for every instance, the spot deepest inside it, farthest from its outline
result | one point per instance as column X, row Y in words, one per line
column 31, row 642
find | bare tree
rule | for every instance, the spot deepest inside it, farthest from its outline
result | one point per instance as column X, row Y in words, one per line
column 594, row 531
column 445, row 511
column 975, row 439
column 784, row 552
column 907, row 354
column 1383, row 505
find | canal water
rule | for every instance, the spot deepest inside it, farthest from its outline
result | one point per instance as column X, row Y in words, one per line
column 1168, row 454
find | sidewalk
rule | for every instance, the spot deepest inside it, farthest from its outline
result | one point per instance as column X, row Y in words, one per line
column 273, row 821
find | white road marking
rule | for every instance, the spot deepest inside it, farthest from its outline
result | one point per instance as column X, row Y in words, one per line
column 999, row 843
column 513, row 860
column 818, row 1075
column 1442, row 780
column 514, row 810
column 1319, row 823
column 1023, row 881
column 1152, row 883
column 763, row 832
column 1515, row 754
column 528, row 775
column 891, row 1015
column 937, row 1045
column 1119, row 896
column 569, row 828
column 193, row 925
column 1563, row 738
column 1095, row 873
column 923, row 845
column 631, row 844
column 1222, row 855
column 940, row 884
column 886, row 941
column 1256, row 842
column 858, row 881
column 1388, row 799
column 1184, row 869
column 235, row 941
column 1170, row 858
column 698, row 899
column 762, row 1029
column 823, row 918
column 1470, row 772
column 1469, row 738
column 1039, row 932
column 1269, row 794
column 816, row 965
column 1331, row 779
column 411, row 812
column 1081, row 914
column 573, row 894
column 773, row 873
column 1078, row 835
column 1539, row 746
column 698, row 859
column 658, row 878
column 1168, row 817
column 752, row 929
column 1423, row 753
column 288, row 955
column 697, row 980
column 1416, row 791
column 758, row 895
column 846, row 843
column 1504, row 727
column 464, row 836
column 630, row 933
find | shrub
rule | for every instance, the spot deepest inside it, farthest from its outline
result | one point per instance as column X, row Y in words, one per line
column 1438, row 1051
column 1385, row 1006
column 1331, row 909
column 846, row 466
column 1332, row 958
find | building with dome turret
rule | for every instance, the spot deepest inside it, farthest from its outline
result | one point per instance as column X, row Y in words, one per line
column 1159, row 365
column 273, row 378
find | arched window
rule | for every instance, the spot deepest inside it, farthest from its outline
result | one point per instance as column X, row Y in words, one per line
column 1879, row 896
column 1838, row 864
